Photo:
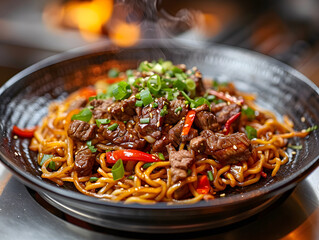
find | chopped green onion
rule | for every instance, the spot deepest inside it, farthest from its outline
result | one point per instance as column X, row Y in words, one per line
column 211, row 98
column 161, row 156
column 179, row 84
column 167, row 65
column 190, row 85
column 118, row 170
column 45, row 157
column 147, row 165
column 122, row 91
column 178, row 109
column 154, row 84
column 163, row 111
column 129, row 72
column 251, row 132
column 157, row 68
column 310, row 129
column 131, row 177
column 296, row 147
column 138, row 96
column 187, row 97
column 176, row 70
column 113, row 73
column 91, row 147
column 155, row 105
column 189, row 172
column 180, row 76
column 146, row 97
column 210, row 176
column 139, row 103
column 113, row 127
column 102, row 121
column 199, row 102
column 125, row 122
column 249, row 112
column 93, row 179
column 145, row 120
column 84, row 115
column 52, row 165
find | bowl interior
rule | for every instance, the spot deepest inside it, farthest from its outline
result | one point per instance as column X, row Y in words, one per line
column 25, row 98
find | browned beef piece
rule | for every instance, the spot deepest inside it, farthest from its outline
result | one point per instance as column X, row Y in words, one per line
column 180, row 161
column 84, row 161
column 82, row 131
column 206, row 121
column 227, row 149
column 126, row 138
column 100, row 108
column 173, row 117
column 174, row 134
column 153, row 128
column 197, row 78
column 223, row 111
column 123, row 110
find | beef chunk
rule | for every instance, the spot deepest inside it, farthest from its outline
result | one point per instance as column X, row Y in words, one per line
column 173, row 117
column 206, row 121
column 123, row 110
column 180, row 161
column 196, row 76
column 153, row 128
column 126, row 138
column 223, row 111
column 226, row 149
column 174, row 134
column 100, row 108
column 82, row 131
column 84, row 161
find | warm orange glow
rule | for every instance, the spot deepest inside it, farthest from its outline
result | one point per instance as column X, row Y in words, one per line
column 211, row 24
column 125, row 34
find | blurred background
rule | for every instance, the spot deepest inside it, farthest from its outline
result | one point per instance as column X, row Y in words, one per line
column 32, row 30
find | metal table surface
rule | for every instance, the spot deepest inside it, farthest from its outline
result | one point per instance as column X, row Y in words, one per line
column 22, row 217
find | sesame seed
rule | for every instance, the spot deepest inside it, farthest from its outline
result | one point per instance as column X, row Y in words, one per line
column 222, row 195
column 293, row 153
column 122, row 108
column 158, row 124
column 131, row 135
column 151, row 115
column 303, row 119
column 15, row 137
column 260, row 152
column 234, row 147
column 109, row 109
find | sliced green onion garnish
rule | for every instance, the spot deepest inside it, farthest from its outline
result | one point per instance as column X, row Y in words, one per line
column 129, row 72
column 91, row 147
column 296, row 147
column 180, row 76
column 164, row 111
column 249, row 112
column 210, row 175
column 122, row 91
column 138, row 96
column 131, row 177
column 178, row 109
column 176, row 70
column 154, row 84
column 118, row 170
column 311, row 128
column 167, row 65
column 179, row 84
column 199, row 102
column 187, row 97
column 146, row 165
column 146, row 97
column 161, row 156
column 157, row 68
column 113, row 73
column 145, row 120
column 45, row 157
column 139, row 103
column 155, row 105
column 251, row 132
column 190, row 85
column 93, row 179
column 84, row 115
column 102, row 121
column 211, row 98
column 189, row 172
column 113, row 126
column 52, row 165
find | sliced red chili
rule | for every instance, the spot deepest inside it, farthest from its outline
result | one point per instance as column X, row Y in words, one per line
column 188, row 122
column 263, row 174
column 226, row 98
column 130, row 155
column 24, row 132
column 87, row 92
column 203, row 185
column 229, row 122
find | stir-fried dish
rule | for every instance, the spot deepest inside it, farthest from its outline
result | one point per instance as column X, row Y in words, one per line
column 160, row 134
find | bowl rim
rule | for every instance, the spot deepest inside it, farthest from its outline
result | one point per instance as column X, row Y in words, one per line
column 106, row 46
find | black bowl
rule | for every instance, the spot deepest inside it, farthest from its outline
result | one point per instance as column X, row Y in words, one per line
column 24, row 100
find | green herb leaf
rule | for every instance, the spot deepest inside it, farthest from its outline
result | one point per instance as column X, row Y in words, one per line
column 210, row 176
column 178, row 109
column 310, row 129
column 129, row 72
column 113, row 126
column 249, row 112
column 131, row 177
column 161, row 156
column 102, row 121
column 45, row 157
column 139, row 103
column 118, row 170
column 147, row 165
column 93, row 179
column 251, row 132
column 84, row 115
column 179, row 84
column 52, row 165
column 91, row 147
column 146, row 97
column 154, row 84
column 144, row 120
column 296, row 147
column 113, row 73
column 122, row 91
column 163, row 111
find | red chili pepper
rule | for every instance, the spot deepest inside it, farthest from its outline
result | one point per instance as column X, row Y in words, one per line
column 203, row 185
column 24, row 132
column 188, row 122
column 87, row 92
column 114, row 80
column 263, row 174
column 229, row 122
column 226, row 98
column 130, row 155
